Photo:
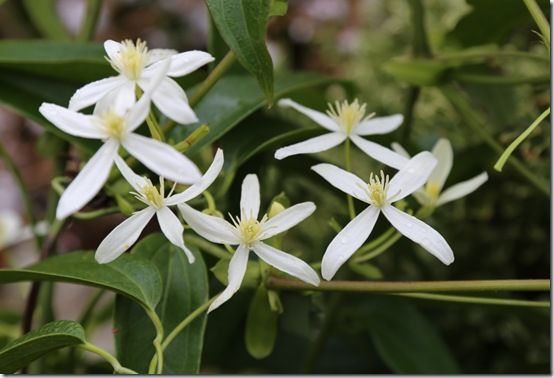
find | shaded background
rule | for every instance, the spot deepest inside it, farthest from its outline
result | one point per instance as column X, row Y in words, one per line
column 499, row 232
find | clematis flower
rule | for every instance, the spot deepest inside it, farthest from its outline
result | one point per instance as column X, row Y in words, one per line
column 345, row 120
column 136, row 65
column 248, row 233
column 115, row 126
column 431, row 193
column 380, row 193
column 127, row 233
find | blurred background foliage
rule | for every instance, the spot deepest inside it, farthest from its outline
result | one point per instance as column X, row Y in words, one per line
column 456, row 69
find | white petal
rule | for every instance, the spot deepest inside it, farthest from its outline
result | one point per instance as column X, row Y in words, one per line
column 186, row 62
column 380, row 125
column 420, row 232
column 155, row 55
column 235, row 273
column 93, row 92
column 321, row 119
column 442, row 150
column 71, row 122
column 162, row 159
column 287, row 218
column 136, row 181
column 206, row 180
column 112, row 49
column 89, row 181
column 123, row 236
column 120, row 99
column 379, row 153
column 396, row 147
column 347, row 241
column 412, row 176
column 345, row 181
column 173, row 230
column 137, row 113
column 462, row 189
column 250, row 197
column 172, row 101
column 286, row 263
column 312, row 145
column 212, row 228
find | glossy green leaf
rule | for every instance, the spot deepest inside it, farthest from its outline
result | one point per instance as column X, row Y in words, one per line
column 185, row 288
column 49, row 337
column 45, row 18
column 406, row 340
column 131, row 276
column 242, row 24
column 423, row 72
column 261, row 325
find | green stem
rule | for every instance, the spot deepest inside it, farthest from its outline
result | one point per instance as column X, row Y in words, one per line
column 156, row 364
column 375, row 243
column 277, row 283
column 380, row 249
column 87, row 215
column 86, row 33
column 475, row 300
column 154, row 127
column 194, row 137
column 108, row 357
column 348, row 165
column 477, row 55
column 508, row 152
column 539, row 18
column 207, row 247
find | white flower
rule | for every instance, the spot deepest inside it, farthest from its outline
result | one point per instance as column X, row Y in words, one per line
column 380, row 193
column 137, row 66
column 127, row 233
column 431, row 193
column 346, row 121
column 248, row 233
column 115, row 126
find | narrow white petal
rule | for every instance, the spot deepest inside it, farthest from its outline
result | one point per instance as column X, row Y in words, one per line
column 212, row 228
column 89, row 181
column 287, row 218
column 93, row 92
column 442, row 150
column 186, row 62
column 71, row 122
column 379, row 153
column 172, row 101
column 347, row 241
column 173, row 230
column 206, row 180
column 412, row 176
column 155, row 55
column 462, row 189
column 119, row 99
column 380, row 125
column 235, row 273
column 286, row 263
column 162, row 159
column 396, row 147
column 112, row 49
column 137, row 114
column 321, row 119
column 421, row 233
column 312, row 145
column 123, row 236
column 250, row 197
column 345, row 181
column 136, row 181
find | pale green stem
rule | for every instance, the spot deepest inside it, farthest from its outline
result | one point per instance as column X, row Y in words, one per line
column 539, row 18
column 156, row 364
column 87, row 215
column 88, row 26
column 508, row 152
column 194, row 137
column 348, row 165
column 154, row 127
column 377, row 241
column 210, row 200
column 475, row 300
column 380, row 249
column 207, row 247
column 108, row 357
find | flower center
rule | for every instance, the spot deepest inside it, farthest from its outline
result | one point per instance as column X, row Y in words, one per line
column 432, row 190
column 377, row 189
column 132, row 59
column 150, row 196
column 249, row 230
column 113, row 124
column 348, row 116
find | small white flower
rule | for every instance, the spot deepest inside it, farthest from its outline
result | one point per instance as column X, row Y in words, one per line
column 115, row 127
column 380, row 193
column 127, row 233
column 136, row 66
column 248, row 232
column 346, row 120
column 432, row 193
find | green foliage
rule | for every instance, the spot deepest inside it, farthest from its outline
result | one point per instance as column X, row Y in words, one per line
column 261, row 325
column 51, row 336
column 46, row 20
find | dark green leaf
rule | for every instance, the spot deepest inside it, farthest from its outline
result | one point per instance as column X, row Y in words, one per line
column 242, row 24
column 185, row 288
column 261, row 325
column 49, row 337
column 129, row 275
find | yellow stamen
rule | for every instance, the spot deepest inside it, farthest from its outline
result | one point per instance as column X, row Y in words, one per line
column 348, row 116
column 377, row 189
column 113, row 124
column 149, row 195
column 249, row 229
column 433, row 190
column 132, row 59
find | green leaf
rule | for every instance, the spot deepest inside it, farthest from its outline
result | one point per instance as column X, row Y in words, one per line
column 261, row 325
column 242, row 24
column 131, row 276
column 45, row 18
column 423, row 72
column 278, row 8
column 185, row 288
column 406, row 340
column 49, row 337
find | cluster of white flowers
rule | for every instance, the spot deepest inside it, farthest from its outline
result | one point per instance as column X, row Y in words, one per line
column 122, row 104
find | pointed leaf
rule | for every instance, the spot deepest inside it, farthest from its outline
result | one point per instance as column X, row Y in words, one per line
column 261, row 325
